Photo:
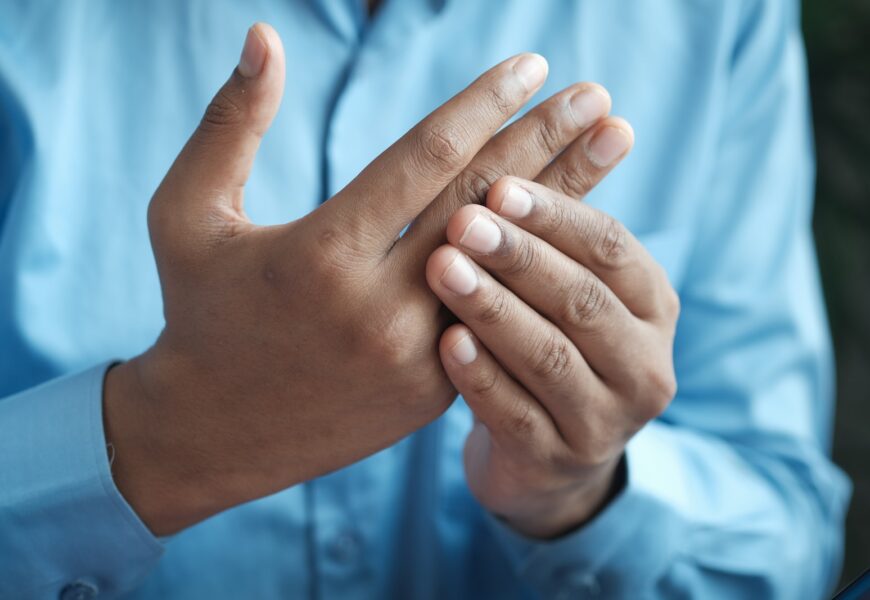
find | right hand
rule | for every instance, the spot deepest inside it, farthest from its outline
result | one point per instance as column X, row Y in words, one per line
column 293, row 350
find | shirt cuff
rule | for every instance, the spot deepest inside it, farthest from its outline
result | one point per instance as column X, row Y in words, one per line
column 64, row 524
column 620, row 553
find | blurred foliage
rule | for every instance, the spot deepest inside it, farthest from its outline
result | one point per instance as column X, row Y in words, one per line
column 837, row 35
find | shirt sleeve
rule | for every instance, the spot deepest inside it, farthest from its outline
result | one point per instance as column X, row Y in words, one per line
column 64, row 526
column 731, row 494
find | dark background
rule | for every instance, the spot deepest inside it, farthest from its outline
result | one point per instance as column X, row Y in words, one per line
column 838, row 48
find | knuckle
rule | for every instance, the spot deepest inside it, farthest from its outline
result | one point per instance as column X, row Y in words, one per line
column 484, row 383
column 661, row 387
column 586, row 303
column 328, row 241
column 520, row 421
column 222, row 112
column 578, row 457
column 425, row 390
column 567, row 460
column 573, row 181
column 665, row 383
column 500, row 98
column 672, row 303
column 592, row 445
column 552, row 359
column 332, row 277
column 332, row 258
column 442, row 143
column 389, row 340
column 474, row 183
column 559, row 218
column 611, row 243
column 596, row 451
column 521, row 257
column 496, row 311
column 549, row 132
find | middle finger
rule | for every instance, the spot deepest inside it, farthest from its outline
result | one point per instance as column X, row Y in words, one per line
column 567, row 293
column 533, row 350
column 522, row 149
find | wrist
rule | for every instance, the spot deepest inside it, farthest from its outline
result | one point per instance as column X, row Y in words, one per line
column 560, row 512
column 155, row 465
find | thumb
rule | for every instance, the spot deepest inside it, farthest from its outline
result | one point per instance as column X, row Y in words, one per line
column 208, row 177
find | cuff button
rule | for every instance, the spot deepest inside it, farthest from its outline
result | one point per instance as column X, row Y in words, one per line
column 78, row 590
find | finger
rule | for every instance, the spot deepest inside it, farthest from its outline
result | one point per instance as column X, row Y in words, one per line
column 565, row 292
column 588, row 160
column 523, row 149
column 531, row 349
column 512, row 416
column 398, row 184
column 206, row 181
column 593, row 239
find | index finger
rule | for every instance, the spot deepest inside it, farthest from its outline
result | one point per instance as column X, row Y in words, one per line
column 408, row 175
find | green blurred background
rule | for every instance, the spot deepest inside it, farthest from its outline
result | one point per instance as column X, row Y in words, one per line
column 838, row 48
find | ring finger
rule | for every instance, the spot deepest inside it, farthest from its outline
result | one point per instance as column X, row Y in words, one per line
column 530, row 347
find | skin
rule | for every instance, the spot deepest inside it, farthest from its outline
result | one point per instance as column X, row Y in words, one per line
column 293, row 350
column 564, row 351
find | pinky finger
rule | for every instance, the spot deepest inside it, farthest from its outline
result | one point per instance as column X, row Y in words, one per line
column 513, row 417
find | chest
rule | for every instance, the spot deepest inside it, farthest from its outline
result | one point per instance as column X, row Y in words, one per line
column 95, row 118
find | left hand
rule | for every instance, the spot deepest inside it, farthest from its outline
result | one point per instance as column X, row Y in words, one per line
column 563, row 353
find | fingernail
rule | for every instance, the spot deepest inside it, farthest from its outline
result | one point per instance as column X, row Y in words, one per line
column 464, row 352
column 253, row 54
column 607, row 146
column 516, row 203
column 481, row 235
column 459, row 276
column 588, row 106
column 531, row 69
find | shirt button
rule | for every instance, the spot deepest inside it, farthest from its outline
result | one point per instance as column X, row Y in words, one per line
column 78, row 590
column 346, row 547
column 579, row 585
column 589, row 584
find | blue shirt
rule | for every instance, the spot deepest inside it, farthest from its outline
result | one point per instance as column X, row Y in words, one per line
column 729, row 494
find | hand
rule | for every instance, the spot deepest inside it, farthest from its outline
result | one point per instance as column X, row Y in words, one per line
column 293, row 350
column 565, row 346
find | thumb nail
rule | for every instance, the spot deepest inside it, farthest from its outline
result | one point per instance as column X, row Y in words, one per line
column 253, row 54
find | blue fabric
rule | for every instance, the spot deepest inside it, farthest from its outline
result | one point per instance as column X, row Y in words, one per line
column 730, row 494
